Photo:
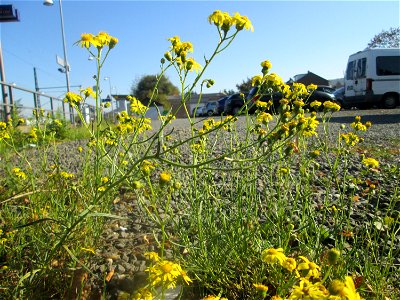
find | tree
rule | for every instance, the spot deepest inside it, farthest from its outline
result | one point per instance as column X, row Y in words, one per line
column 386, row 39
column 245, row 86
column 144, row 87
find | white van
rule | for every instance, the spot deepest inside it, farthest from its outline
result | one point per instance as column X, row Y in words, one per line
column 373, row 77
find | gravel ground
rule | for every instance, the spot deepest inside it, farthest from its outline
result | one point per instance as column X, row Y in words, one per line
column 130, row 234
column 122, row 242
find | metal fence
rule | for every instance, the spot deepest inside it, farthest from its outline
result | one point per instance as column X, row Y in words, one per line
column 22, row 101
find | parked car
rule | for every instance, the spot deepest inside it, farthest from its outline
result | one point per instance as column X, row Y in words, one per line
column 233, row 104
column 221, row 105
column 322, row 94
column 339, row 95
column 210, row 109
column 198, row 112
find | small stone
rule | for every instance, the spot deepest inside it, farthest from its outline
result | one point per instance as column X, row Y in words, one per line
column 120, row 269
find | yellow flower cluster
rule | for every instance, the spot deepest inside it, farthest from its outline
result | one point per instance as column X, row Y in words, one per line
column 32, row 135
column 351, row 139
column 370, row 162
column 88, row 92
column 129, row 124
column 136, row 106
column 357, row 125
column 225, row 21
column 166, row 274
column 19, row 173
column 66, row 175
column 212, row 297
column 331, row 106
column 308, row 273
column 73, row 99
column 264, row 117
column 3, row 131
column 178, row 54
column 99, row 41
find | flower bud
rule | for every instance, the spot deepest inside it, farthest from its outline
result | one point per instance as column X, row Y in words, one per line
column 333, row 256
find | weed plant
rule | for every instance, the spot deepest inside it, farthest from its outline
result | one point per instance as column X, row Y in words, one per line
column 262, row 206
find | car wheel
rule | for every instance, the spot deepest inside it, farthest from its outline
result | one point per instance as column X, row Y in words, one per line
column 390, row 101
column 210, row 113
column 235, row 110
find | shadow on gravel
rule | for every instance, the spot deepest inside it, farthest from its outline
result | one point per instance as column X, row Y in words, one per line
column 375, row 119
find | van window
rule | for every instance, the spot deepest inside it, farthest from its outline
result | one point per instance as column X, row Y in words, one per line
column 387, row 65
column 350, row 70
column 361, row 66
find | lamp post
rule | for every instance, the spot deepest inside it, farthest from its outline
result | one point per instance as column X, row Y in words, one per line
column 66, row 65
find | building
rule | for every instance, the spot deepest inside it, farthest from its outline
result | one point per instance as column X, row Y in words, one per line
column 309, row 78
column 196, row 100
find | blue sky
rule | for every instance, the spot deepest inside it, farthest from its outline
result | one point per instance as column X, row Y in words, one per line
column 296, row 36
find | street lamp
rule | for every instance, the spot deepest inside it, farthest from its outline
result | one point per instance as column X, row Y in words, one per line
column 66, row 65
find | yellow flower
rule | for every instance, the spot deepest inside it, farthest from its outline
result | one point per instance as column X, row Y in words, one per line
column 165, row 177
column 72, row 98
column 315, row 104
column 113, row 42
column 86, row 40
column 289, row 264
column 212, row 297
column 264, row 118
column 152, row 256
column 260, row 287
column 272, row 256
column 345, row 289
column 266, row 64
column 142, row 294
column 312, row 269
column 351, row 139
column 242, row 22
column 222, row 20
column 167, row 274
column 370, row 162
column 32, row 136
column 3, row 131
column 102, row 38
column 256, row 80
column 311, row 87
column 136, row 106
column 308, row 290
column 67, row 175
column 104, row 180
column 192, row 65
column 19, row 173
column 331, row 106
column 88, row 92
column 80, row 149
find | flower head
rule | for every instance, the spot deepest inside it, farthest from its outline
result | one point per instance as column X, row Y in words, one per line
column 242, row 22
column 370, row 162
column 167, row 274
column 272, row 256
column 308, row 268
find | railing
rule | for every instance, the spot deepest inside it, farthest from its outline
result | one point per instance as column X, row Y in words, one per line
column 16, row 98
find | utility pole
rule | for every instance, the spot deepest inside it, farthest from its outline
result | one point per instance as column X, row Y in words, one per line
column 6, row 107
column 36, row 96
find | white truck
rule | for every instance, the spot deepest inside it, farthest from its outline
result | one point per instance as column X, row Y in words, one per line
column 373, row 78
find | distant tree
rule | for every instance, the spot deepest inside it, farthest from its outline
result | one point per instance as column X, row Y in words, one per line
column 245, row 86
column 386, row 39
column 143, row 89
